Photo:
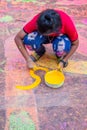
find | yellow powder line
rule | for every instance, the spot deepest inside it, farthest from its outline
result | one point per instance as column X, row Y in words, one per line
column 36, row 77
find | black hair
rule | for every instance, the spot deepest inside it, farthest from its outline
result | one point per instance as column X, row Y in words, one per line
column 49, row 21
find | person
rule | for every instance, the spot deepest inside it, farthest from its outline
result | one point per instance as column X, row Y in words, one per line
column 49, row 26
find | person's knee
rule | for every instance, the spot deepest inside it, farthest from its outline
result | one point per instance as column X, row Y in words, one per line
column 61, row 45
column 29, row 39
column 35, row 40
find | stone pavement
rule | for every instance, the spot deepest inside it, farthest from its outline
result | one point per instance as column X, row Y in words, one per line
column 41, row 108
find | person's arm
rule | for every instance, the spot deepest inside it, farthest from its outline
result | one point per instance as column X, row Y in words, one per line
column 19, row 42
column 74, row 47
column 71, row 32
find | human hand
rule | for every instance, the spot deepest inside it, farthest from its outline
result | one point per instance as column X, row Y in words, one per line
column 30, row 63
column 60, row 66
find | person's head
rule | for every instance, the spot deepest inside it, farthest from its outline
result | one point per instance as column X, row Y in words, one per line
column 49, row 21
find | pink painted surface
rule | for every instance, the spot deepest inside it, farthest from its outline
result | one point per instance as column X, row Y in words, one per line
column 84, row 21
column 82, row 49
column 17, row 74
column 50, row 109
column 71, row 2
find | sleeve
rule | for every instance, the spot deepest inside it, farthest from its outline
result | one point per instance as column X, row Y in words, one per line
column 70, row 29
column 31, row 25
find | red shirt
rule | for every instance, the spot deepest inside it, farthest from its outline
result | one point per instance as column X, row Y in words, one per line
column 68, row 26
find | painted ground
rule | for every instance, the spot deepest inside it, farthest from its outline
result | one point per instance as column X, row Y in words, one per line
column 41, row 108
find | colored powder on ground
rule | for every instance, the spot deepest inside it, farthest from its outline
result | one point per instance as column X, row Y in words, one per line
column 21, row 121
column 6, row 18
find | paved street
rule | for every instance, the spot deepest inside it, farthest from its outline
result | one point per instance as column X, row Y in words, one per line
column 41, row 108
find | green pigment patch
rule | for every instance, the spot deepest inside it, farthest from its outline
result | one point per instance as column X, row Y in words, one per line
column 6, row 18
column 21, row 121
